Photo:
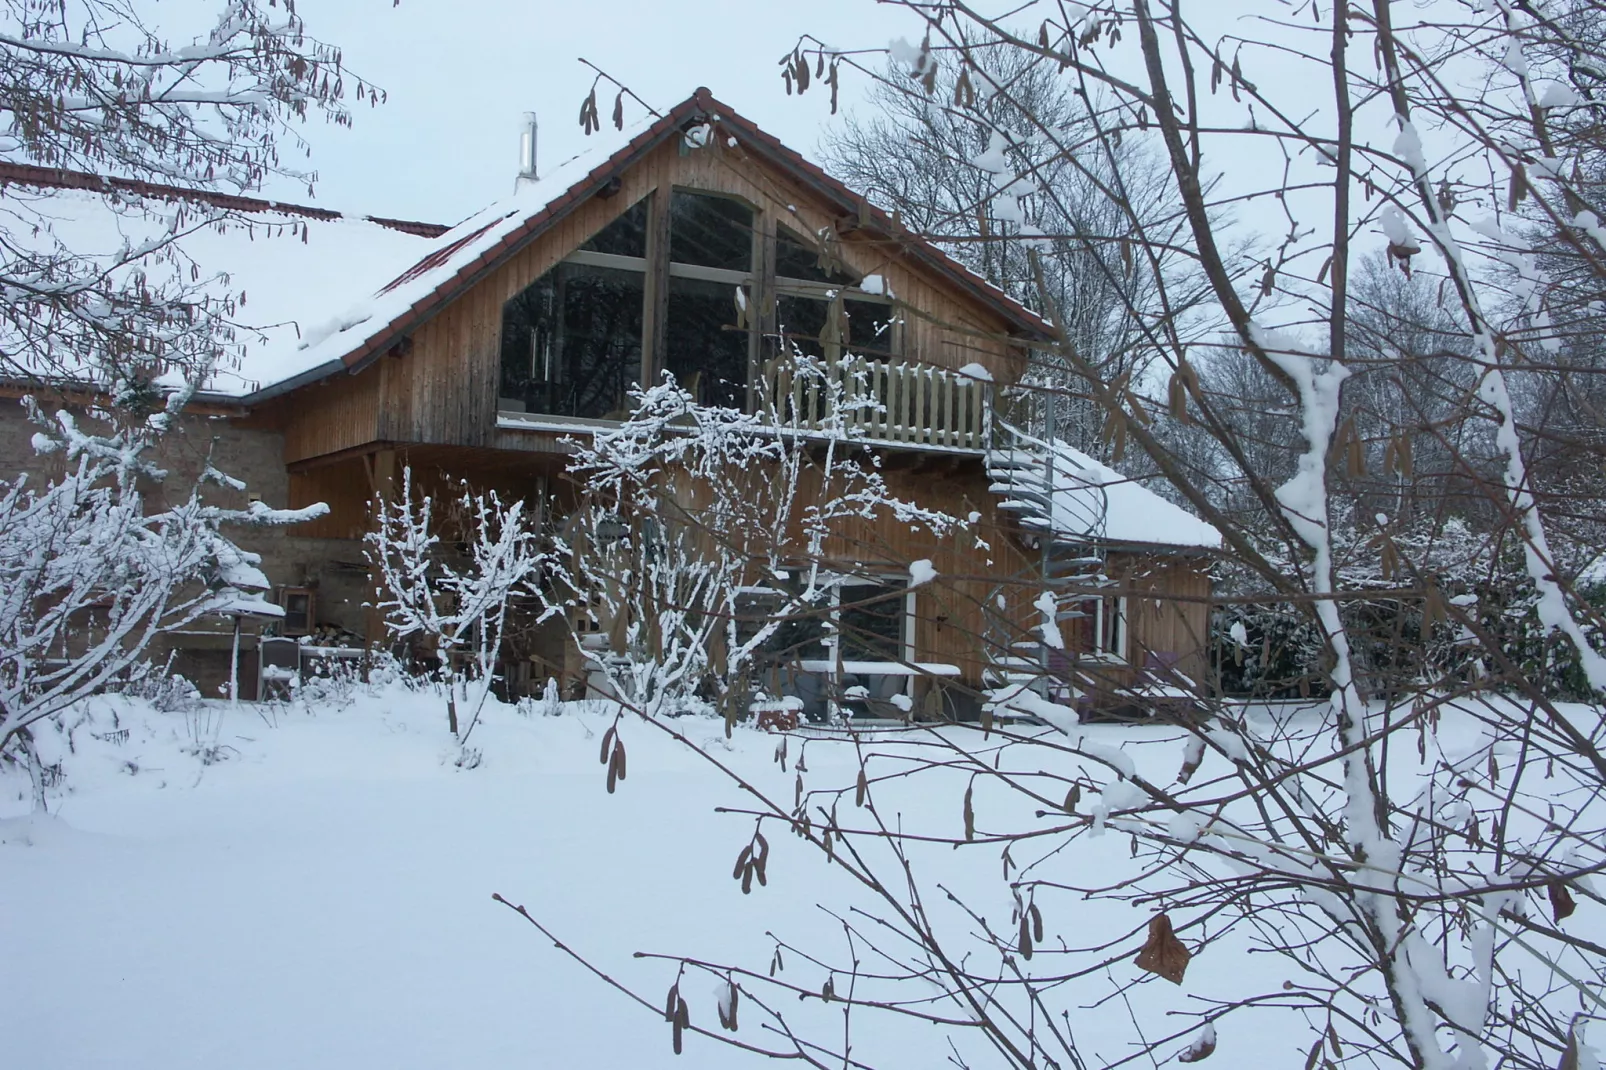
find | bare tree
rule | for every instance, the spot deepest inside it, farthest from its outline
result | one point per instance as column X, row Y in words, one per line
column 96, row 85
column 1411, row 847
column 91, row 574
column 964, row 166
column 457, row 602
column 703, row 540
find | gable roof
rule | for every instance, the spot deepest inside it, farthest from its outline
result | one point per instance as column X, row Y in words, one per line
column 463, row 255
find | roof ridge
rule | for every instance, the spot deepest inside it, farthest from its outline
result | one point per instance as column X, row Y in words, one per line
column 63, row 178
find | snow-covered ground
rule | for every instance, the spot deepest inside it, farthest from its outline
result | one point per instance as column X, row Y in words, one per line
column 321, row 895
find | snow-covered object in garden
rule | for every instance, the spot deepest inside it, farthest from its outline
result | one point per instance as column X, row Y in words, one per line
column 460, row 610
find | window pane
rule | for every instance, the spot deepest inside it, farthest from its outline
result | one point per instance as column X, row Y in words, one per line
column 625, row 236
column 710, row 231
column 571, row 342
column 801, row 321
column 704, row 349
column 529, row 323
column 796, row 258
column 868, row 328
column 871, row 622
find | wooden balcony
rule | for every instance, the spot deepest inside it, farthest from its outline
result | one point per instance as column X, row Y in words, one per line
column 916, row 405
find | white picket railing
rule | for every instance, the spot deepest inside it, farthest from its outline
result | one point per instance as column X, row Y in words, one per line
column 879, row 400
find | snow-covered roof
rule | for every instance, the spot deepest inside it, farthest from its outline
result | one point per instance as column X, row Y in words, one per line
column 1133, row 512
column 298, row 268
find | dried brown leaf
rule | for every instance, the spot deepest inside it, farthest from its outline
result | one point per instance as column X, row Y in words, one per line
column 1561, row 901
column 1163, row 953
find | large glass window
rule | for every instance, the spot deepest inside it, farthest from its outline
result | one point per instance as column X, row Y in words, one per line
column 871, row 620
column 796, row 258
column 710, row 231
column 625, row 236
column 812, row 325
column 571, row 342
column 706, row 344
column 813, row 311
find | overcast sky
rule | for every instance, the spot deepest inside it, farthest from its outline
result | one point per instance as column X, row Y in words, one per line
column 459, row 75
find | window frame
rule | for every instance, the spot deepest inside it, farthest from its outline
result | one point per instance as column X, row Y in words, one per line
column 1122, row 626
column 764, row 288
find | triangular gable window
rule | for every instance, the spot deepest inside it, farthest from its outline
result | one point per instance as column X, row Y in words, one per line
column 625, row 236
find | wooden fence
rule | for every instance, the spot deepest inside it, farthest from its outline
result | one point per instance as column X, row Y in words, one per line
column 878, row 400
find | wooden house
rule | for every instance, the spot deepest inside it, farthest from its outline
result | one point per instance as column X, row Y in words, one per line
column 699, row 245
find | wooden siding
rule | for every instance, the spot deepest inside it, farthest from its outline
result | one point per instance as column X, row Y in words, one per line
column 1168, row 611
column 328, row 417
column 344, row 487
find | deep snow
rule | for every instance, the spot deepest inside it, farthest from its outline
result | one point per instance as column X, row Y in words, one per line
column 321, row 895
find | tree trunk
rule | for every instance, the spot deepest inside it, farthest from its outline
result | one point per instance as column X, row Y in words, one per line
column 36, row 771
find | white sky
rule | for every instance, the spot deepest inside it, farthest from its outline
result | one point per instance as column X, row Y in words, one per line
column 446, row 144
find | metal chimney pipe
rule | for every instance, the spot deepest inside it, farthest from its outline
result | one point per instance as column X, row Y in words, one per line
column 527, row 133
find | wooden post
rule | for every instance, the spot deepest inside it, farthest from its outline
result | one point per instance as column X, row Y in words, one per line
column 760, row 307
column 234, row 665
column 655, row 291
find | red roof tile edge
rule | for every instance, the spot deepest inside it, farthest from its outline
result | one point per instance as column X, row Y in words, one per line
column 60, row 178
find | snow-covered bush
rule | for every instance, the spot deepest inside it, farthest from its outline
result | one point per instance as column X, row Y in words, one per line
column 701, row 538
column 91, row 572
column 457, row 603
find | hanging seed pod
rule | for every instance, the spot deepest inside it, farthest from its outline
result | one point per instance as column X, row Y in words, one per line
column 1177, row 397
column 1518, row 190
